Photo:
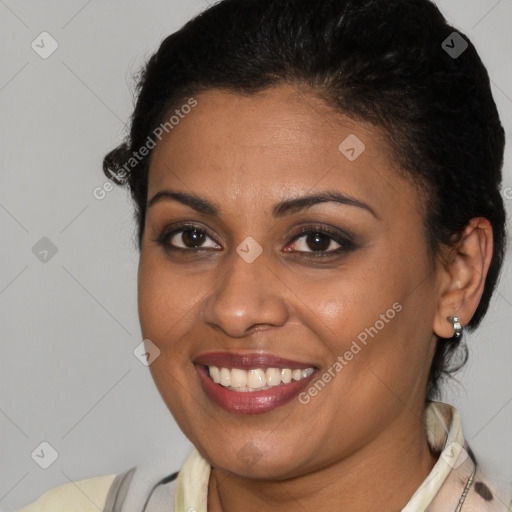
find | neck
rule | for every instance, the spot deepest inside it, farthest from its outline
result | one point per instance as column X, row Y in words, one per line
column 382, row 476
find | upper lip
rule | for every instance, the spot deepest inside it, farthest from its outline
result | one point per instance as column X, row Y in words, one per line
column 248, row 361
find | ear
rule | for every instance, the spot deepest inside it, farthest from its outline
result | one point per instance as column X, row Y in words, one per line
column 463, row 276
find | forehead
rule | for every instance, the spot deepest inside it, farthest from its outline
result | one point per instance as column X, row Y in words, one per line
column 270, row 145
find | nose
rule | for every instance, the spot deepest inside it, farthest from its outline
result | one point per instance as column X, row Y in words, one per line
column 246, row 297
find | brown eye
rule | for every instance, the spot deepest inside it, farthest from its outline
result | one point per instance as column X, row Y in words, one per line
column 192, row 237
column 186, row 237
column 320, row 241
column 316, row 241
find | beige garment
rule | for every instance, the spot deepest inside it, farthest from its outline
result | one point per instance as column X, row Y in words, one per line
column 88, row 495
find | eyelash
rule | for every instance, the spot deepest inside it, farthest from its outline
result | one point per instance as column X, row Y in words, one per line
column 344, row 240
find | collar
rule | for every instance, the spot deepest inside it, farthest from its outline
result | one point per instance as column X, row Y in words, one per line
column 444, row 434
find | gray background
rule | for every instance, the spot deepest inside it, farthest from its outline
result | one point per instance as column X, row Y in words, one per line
column 69, row 325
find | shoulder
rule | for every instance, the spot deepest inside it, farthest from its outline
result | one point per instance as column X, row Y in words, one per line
column 87, row 495
column 128, row 491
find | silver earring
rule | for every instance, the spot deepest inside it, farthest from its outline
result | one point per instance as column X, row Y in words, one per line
column 457, row 326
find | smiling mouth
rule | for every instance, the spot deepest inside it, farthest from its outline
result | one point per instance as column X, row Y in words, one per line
column 251, row 383
column 256, row 379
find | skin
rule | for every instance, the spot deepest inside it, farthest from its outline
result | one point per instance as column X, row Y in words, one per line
column 359, row 444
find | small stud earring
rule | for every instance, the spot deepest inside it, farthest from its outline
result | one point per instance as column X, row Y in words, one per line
column 457, row 326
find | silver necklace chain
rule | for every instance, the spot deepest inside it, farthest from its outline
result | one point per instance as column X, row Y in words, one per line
column 466, row 490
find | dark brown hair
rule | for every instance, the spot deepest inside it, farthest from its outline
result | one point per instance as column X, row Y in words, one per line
column 383, row 61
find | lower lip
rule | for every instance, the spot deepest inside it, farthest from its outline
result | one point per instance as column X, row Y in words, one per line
column 251, row 402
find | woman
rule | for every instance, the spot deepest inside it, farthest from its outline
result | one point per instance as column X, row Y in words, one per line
column 317, row 191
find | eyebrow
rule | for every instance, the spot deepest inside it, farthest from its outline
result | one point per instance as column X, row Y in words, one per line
column 281, row 209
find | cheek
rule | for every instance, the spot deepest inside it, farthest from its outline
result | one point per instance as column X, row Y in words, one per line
column 151, row 299
column 374, row 316
column 160, row 296
column 162, row 314
column 344, row 304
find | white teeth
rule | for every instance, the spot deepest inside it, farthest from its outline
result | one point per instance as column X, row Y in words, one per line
column 307, row 372
column 273, row 377
column 255, row 379
column 286, row 376
column 225, row 377
column 296, row 374
column 238, row 378
column 215, row 374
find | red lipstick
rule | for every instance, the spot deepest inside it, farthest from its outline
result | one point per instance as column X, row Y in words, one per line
column 250, row 402
column 248, row 361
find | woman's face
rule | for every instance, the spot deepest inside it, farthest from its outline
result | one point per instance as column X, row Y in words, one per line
column 354, row 299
